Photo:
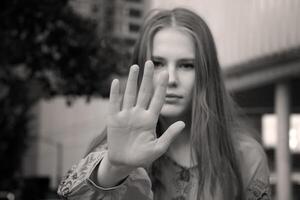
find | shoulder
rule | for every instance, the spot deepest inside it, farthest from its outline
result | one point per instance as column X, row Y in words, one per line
column 254, row 167
column 250, row 151
column 252, row 158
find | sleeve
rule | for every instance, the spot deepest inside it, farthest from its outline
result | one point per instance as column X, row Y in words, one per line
column 77, row 184
column 258, row 184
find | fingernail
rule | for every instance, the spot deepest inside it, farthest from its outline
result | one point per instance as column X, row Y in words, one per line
column 134, row 68
column 149, row 62
column 182, row 123
column 115, row 81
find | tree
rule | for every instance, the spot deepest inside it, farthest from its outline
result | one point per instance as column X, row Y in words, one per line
column 46, row 49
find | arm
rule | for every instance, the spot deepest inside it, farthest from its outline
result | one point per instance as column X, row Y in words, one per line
column 259, row 185
column 131, row 127
column 131, row 141
column 255, row 171
column 79, row 182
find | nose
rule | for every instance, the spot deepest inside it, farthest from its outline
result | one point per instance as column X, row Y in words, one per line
column 173, row 76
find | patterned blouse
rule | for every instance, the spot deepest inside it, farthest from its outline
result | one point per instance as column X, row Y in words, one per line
column 167, row 180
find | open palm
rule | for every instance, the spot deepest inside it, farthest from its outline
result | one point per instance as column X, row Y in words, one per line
column 131, row 125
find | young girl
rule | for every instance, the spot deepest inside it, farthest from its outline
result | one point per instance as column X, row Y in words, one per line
column 174, row 134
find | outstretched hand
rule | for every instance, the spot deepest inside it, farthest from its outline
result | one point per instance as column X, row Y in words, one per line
column 132, row 123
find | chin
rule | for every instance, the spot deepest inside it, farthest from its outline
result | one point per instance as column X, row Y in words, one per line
column 171, row 111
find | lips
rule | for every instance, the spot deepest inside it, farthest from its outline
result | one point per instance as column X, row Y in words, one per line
column 172, row 98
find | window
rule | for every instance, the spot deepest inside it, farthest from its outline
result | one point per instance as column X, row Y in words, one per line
column 129, row 42
column 109, row 12
column 135, row 13
column 134, row 27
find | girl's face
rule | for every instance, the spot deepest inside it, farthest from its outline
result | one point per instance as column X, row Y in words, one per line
column 174, row 52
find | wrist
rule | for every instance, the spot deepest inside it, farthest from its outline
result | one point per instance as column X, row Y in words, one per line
column 110, row 175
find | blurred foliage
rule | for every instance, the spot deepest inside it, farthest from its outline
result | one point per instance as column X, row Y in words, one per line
column 46, row 41
column 46, row 49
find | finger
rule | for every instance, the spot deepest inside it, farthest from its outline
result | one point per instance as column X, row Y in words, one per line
column 145, row 91
column 164, row 141
column 114, row 97
column 158, row 98
column 131, row 87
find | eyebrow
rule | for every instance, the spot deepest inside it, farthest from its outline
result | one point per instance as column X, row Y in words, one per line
column 188, row 60
column 157, row 58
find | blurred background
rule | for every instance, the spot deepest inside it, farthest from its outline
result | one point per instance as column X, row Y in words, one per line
column 58, row 57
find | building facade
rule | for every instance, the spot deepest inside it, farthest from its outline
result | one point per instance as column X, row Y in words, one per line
column 121, row 19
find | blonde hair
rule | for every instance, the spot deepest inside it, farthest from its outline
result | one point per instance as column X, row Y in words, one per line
column 213, row 113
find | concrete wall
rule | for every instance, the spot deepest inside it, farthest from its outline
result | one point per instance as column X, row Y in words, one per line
column 63, row 132
column 246, row 29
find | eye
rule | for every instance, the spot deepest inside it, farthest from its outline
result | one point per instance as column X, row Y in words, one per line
column 158, row 64
column 186, row 65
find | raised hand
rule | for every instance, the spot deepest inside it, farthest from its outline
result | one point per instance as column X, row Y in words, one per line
column 131, row 125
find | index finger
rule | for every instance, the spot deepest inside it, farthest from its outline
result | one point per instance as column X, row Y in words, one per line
column 114, row 97
column 158, row 99
column 131, row 87
column 145, row 91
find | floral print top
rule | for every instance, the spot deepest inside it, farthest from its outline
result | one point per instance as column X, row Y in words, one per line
column 165, row 180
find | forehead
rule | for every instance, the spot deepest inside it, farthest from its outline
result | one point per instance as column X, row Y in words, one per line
column 174, row 42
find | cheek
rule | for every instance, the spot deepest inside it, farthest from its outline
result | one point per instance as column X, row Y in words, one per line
column 190, row 82
column 190, row 88
column 190, row 91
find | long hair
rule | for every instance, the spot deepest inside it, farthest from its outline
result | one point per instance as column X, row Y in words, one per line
column 213, row 116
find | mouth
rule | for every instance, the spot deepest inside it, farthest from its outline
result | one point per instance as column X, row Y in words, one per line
column 172, row 98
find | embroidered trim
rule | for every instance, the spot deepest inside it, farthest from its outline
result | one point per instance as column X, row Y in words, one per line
column 78, row 173
column 259, row 190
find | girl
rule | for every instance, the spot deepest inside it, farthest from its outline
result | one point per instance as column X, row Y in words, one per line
column 174, row 134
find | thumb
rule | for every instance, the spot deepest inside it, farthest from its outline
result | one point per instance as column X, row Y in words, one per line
column 164, row 141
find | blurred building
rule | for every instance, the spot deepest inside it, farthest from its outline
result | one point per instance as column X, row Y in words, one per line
column 120, row 18
column 245, row 30
column 62, row 135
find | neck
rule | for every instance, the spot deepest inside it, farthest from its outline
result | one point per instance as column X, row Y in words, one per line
column 180, row 148
column 184, row 136
column 165, row 122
